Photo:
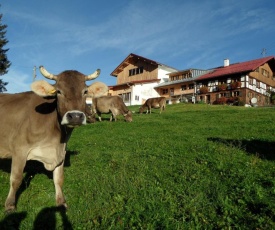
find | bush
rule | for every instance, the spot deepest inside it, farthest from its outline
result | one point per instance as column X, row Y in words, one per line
column 220, row 101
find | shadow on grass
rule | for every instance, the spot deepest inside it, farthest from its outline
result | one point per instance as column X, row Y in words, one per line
column 12, row 221
column 263, row 149
column 46, row 219
column 31, row 169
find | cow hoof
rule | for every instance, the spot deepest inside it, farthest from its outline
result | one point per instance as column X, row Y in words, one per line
column 10, row 210
column 63, row 206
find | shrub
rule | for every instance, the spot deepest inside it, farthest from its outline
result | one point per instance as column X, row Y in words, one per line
column 220, row 101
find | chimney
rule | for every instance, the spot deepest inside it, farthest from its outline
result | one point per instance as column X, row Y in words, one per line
column 226, row 62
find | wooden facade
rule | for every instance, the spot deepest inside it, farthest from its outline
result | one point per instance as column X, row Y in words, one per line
column 227, row 84
column 181, row 85
column 241, row 85
column 136, row 76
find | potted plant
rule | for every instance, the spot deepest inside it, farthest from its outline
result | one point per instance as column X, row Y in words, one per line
column 204, row 89
column 222, row 86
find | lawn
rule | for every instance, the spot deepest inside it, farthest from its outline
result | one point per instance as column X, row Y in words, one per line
column 191, row 167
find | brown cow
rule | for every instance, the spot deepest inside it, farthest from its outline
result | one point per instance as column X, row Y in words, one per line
column 40, row 128
column 155, row 103
column 110, row 104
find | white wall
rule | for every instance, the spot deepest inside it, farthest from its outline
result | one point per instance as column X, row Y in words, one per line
column 143, row 92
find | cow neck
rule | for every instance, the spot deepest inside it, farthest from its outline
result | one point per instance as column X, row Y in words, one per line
column 66, row 132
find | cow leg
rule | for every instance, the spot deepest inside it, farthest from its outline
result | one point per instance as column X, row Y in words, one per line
column 99, row 116
column 17, row 168
column 113, row 116
column 58, row 178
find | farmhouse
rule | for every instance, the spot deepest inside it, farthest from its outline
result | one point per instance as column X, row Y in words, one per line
column 244, row 81
column 139, row 78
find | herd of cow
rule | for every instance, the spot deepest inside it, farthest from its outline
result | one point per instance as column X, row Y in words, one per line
column 40, row 129
column 115, row 106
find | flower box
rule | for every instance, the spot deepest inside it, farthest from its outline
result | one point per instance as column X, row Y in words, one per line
column 235, row 85
column 204, row 89
column 222, row 87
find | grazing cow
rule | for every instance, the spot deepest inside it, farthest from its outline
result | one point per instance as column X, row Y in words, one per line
column 110, row 104
column 155, row 103
column 41, row 126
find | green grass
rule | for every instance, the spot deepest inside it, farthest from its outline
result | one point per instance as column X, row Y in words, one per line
column 191, row 167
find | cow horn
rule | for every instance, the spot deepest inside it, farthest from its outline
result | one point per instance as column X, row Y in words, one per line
column 93, row 75
column 46, row 74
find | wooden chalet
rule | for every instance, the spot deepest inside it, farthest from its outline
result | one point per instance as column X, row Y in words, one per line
column 136, row 78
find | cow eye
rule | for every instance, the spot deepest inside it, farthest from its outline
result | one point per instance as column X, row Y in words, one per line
column 85, row 92
column 58, row 92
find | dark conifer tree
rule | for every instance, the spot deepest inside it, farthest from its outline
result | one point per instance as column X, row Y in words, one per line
column 4, row 62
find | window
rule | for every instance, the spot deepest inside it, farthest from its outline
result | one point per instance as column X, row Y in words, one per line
column 224, row 95
column 191, row 86
column 250, row 81
column 139, row 70
column 183, row 87
column 265, row 73
column 236, row 94
column 174, row 78
column 131, row 72
column 172, row 91
column 137, row 98
column 135, row 71
column 165, row 91
column 126, row 96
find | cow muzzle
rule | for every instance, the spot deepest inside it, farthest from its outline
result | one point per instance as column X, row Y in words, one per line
column 74, row 118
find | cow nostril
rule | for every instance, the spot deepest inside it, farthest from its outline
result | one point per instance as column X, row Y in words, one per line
column 81, row 115
column 70, row 116
column 74, row 118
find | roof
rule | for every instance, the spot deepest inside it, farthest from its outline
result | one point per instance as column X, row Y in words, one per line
column 131, row 59
column 242, row 67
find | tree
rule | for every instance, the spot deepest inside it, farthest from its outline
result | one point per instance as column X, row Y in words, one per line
column 4, row 62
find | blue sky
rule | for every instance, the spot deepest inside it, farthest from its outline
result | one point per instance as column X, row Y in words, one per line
column 86, row 35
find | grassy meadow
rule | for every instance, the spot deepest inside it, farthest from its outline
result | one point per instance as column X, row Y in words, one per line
column 191, row 167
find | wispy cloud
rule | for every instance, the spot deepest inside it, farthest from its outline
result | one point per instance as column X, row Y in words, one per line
column 178, row 33
column 18, row 81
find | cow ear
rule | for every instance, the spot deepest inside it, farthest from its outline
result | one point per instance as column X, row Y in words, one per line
column 43, row 88
column 97, row 89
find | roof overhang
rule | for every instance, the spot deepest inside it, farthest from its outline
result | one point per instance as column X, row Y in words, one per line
column 131, row 83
